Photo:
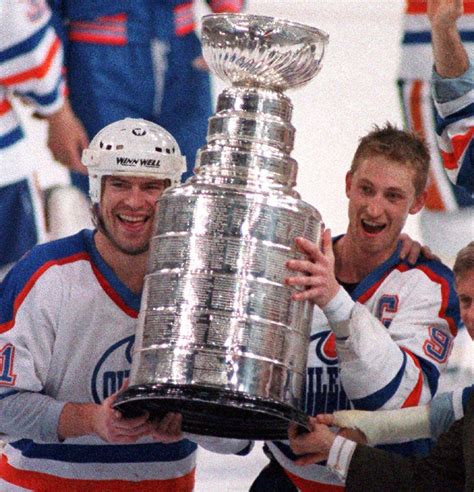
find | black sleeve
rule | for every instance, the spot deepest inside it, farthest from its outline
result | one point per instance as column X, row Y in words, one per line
column 442, row 470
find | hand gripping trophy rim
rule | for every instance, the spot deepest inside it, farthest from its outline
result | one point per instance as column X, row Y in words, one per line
column 262, row 51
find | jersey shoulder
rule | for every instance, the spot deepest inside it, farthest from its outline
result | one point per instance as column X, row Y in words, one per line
column 434, row 269
column 36, row 262
column 20, row 20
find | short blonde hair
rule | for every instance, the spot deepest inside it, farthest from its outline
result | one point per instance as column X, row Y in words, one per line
column 397, row 145
column 464, row 260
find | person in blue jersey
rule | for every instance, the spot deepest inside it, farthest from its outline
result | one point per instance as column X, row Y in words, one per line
column 139, row 59
column 382, row 328
column 30, row 68
column 68, row 312
column 449, row 465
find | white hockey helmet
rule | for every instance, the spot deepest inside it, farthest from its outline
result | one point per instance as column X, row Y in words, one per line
column 132, row 147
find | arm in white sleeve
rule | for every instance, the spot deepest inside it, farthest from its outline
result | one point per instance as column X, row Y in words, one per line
column 387, row 426
column 399, row 341
column 405, row 424
column 27, row 415
column 29, row 334
column 454, row 102
column 338, row 312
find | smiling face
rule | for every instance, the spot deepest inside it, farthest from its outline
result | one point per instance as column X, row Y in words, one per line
column 381, row 194
column 465, row 291
column 126, row 212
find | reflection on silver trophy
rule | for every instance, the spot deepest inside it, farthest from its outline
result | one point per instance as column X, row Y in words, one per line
column 219, row 339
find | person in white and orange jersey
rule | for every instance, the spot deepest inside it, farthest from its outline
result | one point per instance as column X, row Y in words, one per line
column 31, row 59
column 449, row 209
column 68, row 313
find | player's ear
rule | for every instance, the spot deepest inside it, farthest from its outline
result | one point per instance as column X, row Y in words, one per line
column 418, row 203
column 348, row 183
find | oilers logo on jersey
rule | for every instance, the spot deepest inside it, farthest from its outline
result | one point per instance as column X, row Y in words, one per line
column 325, row 347
column 324, row 392
column 112, row 369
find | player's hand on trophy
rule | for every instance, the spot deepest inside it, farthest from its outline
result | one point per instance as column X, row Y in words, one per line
column 412, row 249
column 443, row 14
column 313, row 446
column 168, row 429
column 319, row 281
column 67, row 138
column 110, row 425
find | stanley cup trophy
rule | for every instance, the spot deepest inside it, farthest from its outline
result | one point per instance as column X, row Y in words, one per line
column 219, row 339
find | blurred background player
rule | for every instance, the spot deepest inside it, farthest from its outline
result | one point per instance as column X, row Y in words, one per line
column 68, row 313
column 453, row 92
column 449, row 210
column 30, row 67
column 140, row 59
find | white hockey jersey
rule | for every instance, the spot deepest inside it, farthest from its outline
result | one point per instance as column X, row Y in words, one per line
column 30, row 67
column 401, row 330
column 455, row 131
column 416, row 64
column 67, row 328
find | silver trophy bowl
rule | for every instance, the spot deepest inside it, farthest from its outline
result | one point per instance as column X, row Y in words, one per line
column 260, row 51
column 219, row 338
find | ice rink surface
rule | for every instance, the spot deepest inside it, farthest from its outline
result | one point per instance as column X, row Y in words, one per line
column 355, row 89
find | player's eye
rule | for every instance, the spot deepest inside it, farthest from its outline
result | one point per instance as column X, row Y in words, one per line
column 393, row 197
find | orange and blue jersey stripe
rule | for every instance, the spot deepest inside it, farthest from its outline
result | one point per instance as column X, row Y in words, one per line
column 184, row 19
column 78, row 248
column 46, row 482
column 455, row 138
column 26, row 68
column 219, row 6
column 109, row 29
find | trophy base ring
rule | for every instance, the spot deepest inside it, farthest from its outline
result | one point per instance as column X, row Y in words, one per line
column 211, row 411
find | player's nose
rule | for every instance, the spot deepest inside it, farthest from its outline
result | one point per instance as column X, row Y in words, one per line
column 135, row 197
column 374, row 207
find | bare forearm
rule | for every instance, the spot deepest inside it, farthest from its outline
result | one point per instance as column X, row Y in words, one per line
column 450, row 57
column 77, row 419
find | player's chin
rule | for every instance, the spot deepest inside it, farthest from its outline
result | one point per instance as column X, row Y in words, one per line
column 135, row 249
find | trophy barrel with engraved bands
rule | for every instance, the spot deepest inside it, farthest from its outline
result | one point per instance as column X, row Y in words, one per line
column 219, row 339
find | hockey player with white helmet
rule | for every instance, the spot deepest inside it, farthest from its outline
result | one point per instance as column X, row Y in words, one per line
column 132, row 147
column 67, row 321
